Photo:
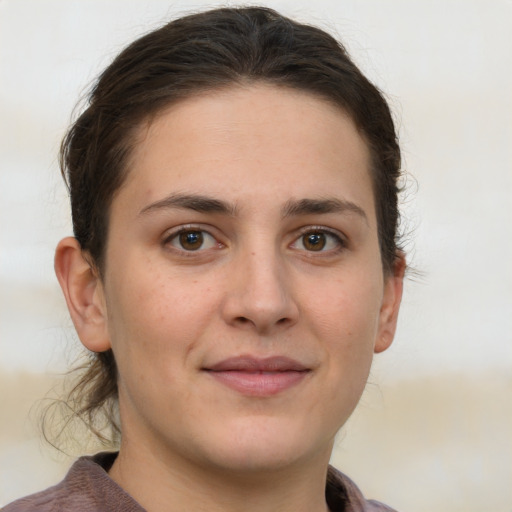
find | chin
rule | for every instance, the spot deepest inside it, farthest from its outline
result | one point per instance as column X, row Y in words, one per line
column 258, row 445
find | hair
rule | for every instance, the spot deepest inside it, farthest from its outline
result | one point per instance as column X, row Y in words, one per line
column 203, row 52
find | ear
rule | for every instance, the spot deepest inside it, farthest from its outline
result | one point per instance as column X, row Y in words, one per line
column 83, row 290
column 392, row 297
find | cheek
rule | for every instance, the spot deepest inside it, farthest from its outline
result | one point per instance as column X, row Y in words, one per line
column 345, row 321
column 348, row 310
column 152, row 313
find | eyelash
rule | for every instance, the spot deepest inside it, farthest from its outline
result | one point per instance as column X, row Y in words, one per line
column 330, row 236
column 183, row 230
column 336, row 237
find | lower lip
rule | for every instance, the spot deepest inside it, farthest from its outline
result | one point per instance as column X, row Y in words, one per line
column 259, row 383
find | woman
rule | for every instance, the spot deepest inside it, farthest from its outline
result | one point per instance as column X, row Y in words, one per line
column 235, row 265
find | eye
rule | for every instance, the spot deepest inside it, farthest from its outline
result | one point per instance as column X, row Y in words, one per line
column 318, row 241
column 192, row 240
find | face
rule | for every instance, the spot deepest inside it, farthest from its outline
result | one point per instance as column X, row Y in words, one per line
column 243, row 293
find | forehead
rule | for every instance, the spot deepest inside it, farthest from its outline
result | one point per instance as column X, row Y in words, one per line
column 244, row 141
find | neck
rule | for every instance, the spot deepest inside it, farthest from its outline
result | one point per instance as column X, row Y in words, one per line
column 172, row 484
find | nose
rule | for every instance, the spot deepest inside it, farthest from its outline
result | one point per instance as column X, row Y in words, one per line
column 259, row 295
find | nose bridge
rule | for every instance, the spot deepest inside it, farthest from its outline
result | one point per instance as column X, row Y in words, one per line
column 260, row 294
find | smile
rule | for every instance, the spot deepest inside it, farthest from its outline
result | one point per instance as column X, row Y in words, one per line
column 258, row 377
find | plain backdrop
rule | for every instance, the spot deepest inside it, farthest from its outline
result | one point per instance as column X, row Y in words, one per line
column 436, row 424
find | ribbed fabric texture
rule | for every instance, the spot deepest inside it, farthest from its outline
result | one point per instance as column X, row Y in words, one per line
column 88, row 488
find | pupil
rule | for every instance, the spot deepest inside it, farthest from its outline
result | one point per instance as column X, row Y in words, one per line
column 192, row 240
column 314, row 241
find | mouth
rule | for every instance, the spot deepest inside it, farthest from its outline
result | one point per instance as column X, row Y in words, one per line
column 258, row 377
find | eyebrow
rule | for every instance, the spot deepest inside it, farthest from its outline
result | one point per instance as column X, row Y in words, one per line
column 322, row 206
column 198, row 203
column 205, row 204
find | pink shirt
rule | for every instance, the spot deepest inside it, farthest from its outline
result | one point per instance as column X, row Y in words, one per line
column 88, row 488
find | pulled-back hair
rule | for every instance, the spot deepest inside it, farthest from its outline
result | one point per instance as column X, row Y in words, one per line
column 198, row 53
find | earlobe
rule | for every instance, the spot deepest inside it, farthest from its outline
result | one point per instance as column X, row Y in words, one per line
column 393, row 288
column 83, row 291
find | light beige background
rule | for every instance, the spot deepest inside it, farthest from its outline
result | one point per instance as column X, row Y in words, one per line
column 434, row 429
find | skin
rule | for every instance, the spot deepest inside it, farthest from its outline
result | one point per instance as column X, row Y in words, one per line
column 260, row 159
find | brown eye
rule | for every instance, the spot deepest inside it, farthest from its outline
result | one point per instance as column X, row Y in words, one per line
column 192, row 240
column 319, row 241
column 314, row 241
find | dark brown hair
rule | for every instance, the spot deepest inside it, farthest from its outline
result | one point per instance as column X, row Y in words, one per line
column 197, row 53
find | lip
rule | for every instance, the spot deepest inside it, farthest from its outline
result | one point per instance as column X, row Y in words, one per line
column 258, row 376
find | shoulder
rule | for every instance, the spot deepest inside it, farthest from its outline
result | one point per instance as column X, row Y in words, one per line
column 343, row 495
column 87, row 487
column 49, row 500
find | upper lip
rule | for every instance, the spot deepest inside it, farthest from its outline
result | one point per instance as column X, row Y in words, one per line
column 256, row 364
